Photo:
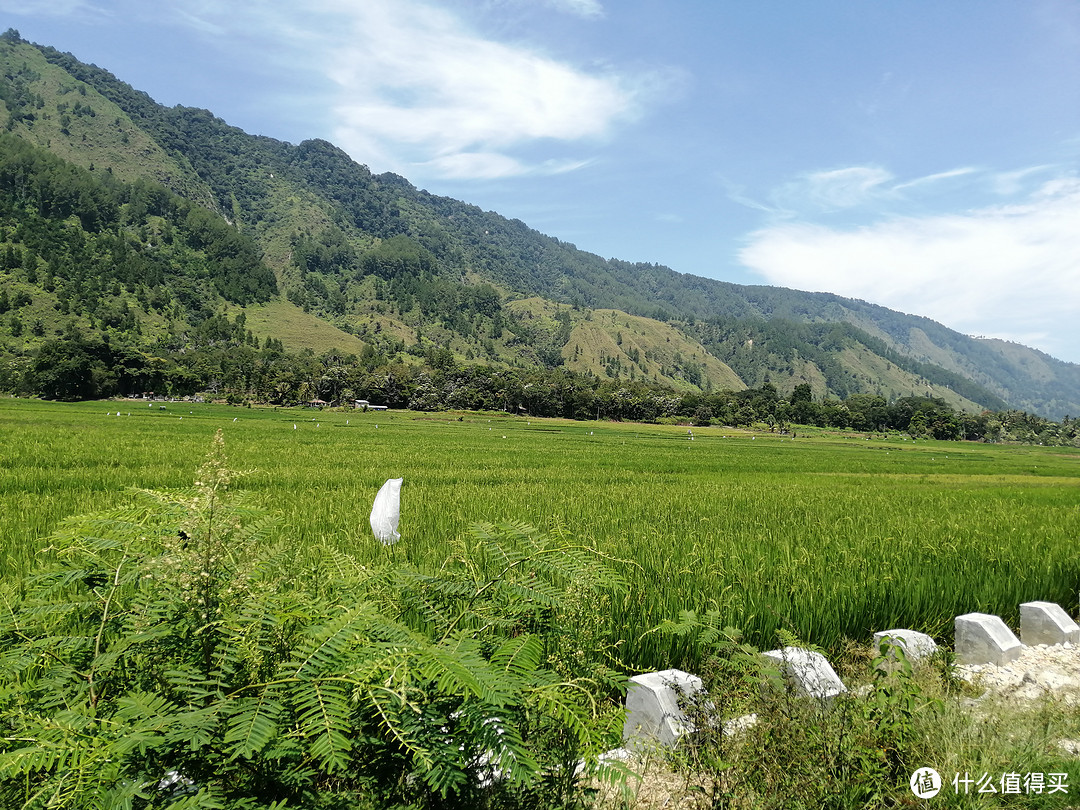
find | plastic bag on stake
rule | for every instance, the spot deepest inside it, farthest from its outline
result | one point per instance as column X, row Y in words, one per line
column 386, row 511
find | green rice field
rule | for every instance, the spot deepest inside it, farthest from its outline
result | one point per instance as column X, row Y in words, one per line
column 830, row 537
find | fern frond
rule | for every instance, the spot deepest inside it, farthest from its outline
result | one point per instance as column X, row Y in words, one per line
column 139, row 707
column 563, row 702
column 519, row 656
column 456, row 667
column 253, row 724
column 323, row 709
column 325, row 648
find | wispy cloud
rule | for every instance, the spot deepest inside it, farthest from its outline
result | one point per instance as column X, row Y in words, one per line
column 826, row 192
column 200, row 24
column 737, row 194
column 839, row 188
column 935, row 178
column 51, row 8
column 1007, row 184
column 492, row 165
column 582, row 8
column 1004, row 271
column 876, row 190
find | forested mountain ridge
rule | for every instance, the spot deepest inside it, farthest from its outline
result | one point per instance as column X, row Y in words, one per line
column 405, row 272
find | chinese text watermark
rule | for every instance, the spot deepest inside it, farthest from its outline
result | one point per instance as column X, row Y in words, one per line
column 927, row 783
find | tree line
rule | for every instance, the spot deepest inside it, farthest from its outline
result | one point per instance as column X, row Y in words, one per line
column 223, row 358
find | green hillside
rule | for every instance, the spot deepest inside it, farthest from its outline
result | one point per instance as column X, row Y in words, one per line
column 366, row 264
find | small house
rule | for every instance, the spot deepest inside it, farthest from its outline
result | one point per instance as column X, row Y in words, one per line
column 364, row 405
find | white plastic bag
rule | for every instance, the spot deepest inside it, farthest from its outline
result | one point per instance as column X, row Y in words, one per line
column 385, row 512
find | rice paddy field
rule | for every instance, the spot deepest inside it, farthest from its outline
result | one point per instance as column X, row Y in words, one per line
column 830, row 537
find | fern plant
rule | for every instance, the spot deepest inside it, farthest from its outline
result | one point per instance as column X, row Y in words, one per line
column 176, row 654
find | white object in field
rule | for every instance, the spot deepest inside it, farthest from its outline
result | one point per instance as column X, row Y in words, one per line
column 984, row 639
column 386, row 511
column 1046, row 623
column 653, row 714
column 807, row 673
column 917, row 646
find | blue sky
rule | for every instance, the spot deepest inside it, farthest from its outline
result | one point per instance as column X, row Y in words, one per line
column 922, row 154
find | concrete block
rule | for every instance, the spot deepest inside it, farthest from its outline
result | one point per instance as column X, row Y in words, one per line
column 808, row 673
column 917, row 646
column 1046, row 623
column 984, row 639
column 652, row 708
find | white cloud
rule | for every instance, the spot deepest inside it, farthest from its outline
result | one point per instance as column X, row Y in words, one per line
column 418, row 88
column 1007, row 271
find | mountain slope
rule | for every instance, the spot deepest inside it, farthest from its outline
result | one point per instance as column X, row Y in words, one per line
column 405, row 272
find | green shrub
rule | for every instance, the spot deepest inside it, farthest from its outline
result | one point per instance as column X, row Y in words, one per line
column 173, row 654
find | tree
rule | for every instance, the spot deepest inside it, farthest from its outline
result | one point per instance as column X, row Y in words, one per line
column 868, row 412
column 67, row 370
column 802, row 393
column 802, row 409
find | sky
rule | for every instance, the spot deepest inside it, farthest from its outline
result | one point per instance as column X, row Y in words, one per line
column 922, row 155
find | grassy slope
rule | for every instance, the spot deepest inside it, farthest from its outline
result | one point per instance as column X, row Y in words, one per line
column 597, row 333
column 297, row 329
column 659, row 345
column 109, row 139
column 892, row 382
column 1033, row 362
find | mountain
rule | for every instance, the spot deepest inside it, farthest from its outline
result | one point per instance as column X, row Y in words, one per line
column 171, row 219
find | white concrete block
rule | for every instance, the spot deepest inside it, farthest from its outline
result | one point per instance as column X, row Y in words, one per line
column 917, row 646
column 652, row 707
column 984, row 639
column 1046, row 623
column 808, row 673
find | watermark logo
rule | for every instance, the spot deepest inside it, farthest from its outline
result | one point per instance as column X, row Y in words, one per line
column 925, row 783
